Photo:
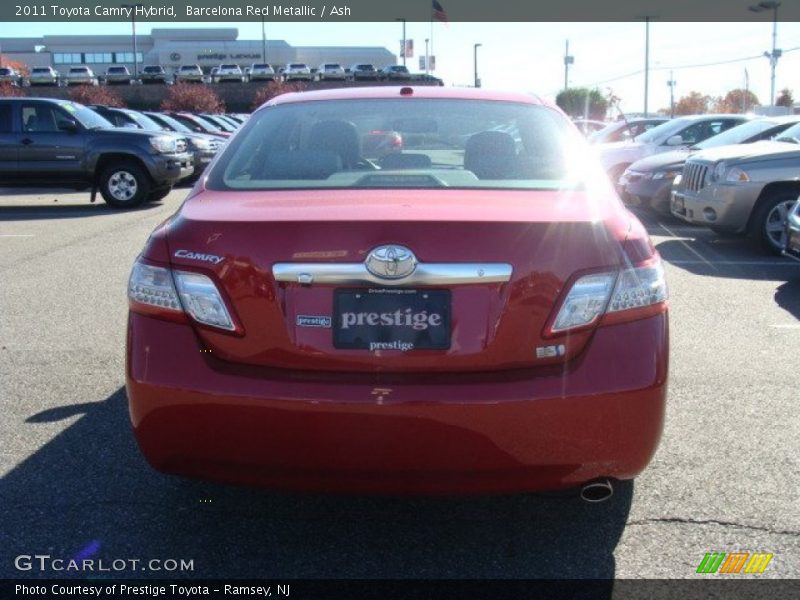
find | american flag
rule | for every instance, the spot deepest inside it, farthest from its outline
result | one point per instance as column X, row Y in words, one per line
column 438, row 12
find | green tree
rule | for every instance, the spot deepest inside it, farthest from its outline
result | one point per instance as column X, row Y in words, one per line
column 583, row 103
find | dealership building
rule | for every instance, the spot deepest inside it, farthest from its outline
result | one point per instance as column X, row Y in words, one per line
column 171, row 48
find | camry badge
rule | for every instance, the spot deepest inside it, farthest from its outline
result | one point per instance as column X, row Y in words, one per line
column 391, row 262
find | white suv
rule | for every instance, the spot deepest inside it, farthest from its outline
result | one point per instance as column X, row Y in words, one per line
column 294, row 71
column 189, row 73
column 43, row 76
column 81, row 76
column 261, row 71
column 229, row 73
column 331, row 71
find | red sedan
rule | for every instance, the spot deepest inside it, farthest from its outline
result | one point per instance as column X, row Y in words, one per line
column 475, row 312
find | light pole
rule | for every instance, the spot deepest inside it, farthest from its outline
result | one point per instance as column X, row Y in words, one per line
column 776, row 53
column 133, row 8
column 647, row 19
column 475, row 63
column 568, row 60
column 263, row 40
column 404, row 39
column 671, row 84
column 427, row 57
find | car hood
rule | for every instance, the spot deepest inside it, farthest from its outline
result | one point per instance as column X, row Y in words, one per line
column 660, row 161
column 763, row 149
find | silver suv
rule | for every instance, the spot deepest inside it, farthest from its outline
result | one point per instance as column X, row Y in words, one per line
column 43, row 76
column 229, row 73
column 189, row 73
column 745, row 190
column 261, row 72
column 81, row 76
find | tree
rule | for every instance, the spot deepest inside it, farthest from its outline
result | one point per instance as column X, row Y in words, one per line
column 275, row 88
column 785, row 98
column 89, row 94
column 736, row 101
column 193, row 98
column 693, row 104
column 582, row 103
column 19, row 67
column 11, row 91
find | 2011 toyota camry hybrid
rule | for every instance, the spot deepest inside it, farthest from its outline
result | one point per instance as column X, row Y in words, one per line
column 401, row 290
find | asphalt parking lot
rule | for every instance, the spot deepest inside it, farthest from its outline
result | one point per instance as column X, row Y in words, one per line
column 73, row 483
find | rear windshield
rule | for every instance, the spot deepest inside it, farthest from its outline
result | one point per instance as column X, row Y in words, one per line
column 41, row 70
column 229, row 67
column 79, row 70
column 189, row 68
column 116, row 69
column 365, row 67
column 153, row 69
column 425, row 143
column 332, row 66
column 5, row 71
column 297, row 66
column 263, row 66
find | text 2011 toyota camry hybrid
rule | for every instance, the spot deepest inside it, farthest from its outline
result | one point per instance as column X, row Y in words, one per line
column 401, row 290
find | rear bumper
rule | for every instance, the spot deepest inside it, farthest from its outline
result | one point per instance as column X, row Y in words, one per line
column 472, row 433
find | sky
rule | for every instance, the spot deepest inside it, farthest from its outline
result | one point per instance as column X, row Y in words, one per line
column 529, row 57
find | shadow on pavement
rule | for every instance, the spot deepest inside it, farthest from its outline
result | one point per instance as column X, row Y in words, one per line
column 88, row 493
column 37, row 212
column 787, row 296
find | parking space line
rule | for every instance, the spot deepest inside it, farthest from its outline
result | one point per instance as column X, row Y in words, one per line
column 16, row 235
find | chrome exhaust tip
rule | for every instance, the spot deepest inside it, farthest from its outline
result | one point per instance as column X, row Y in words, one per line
column 599, row 490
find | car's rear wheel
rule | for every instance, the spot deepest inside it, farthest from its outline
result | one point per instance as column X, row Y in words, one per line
column 768, row 228
column 124, row 185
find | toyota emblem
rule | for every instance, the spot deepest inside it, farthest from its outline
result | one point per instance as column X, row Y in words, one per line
column 391, row 262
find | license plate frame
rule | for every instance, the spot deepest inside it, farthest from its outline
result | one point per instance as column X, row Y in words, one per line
column 406, row 332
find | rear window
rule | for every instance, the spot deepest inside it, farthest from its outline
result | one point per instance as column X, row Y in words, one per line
column 5, row 71
column 116, row 69
column 189, row 68
column 229, row 67
column 263, row 66
column 79, row 70
column 297, row 66
column 425, row 143
column 332, row 66
column 153, row 69
column 41, row 70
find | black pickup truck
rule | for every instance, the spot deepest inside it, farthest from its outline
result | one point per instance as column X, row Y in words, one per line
column 57, row 143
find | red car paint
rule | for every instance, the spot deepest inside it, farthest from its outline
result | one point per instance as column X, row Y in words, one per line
column 270, row 403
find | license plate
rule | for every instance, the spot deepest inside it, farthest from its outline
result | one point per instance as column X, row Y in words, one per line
column 391, row 319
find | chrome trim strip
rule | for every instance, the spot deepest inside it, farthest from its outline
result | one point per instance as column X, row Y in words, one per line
column 424, row 274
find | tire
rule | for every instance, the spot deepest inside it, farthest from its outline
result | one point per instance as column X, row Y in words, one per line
column 157, row 195
column 768, row 228
column 124, row 185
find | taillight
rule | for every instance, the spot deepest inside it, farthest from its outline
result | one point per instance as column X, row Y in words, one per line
column 173, row 294
column 631, row 293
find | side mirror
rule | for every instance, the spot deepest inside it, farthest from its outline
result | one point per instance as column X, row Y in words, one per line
column 68, row 125
column 675, row 140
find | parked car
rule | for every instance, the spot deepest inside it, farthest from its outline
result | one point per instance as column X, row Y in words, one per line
column 742, row 190
column 153, row 74
column 65, row 144
column 118, row 75
column 791, row 247
column 331, row 71
column 216, row 121
column 680, row 132
column 506, row 330
column 202, row 146
column 43, row 76
column 588, row 126
column 395, row 73
column 198, row 125
column 648, row 182
column 363, row 71
column 625, row 129
column 261, row 72
column 189, row 74
column 9, row 75
column 229, row 72
column 296, row 71
column 81, row 76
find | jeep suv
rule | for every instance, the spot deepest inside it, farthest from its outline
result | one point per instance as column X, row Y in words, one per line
column 57, row 143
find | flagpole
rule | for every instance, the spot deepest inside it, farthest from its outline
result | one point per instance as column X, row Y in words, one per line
column 431, row 53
